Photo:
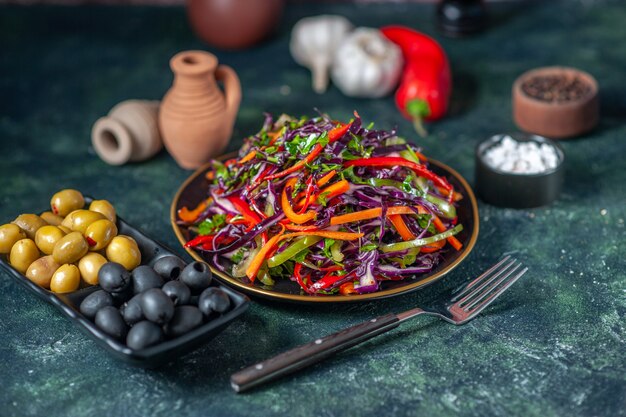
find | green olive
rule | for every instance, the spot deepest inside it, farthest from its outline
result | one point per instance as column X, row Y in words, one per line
column 79, row 220
column 64, row 229
column 89, row 266
column 23, row 253
column 65, row 279
column 41, row 271
column 66, row 201
column 105, row 208
column 124, row 251
column 29, row 223
column 51, row 218
column 46, row 237
column 100, row 233
column 9, row 234
column 70, row 248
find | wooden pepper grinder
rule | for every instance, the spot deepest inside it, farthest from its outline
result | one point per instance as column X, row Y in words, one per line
column 459, row 18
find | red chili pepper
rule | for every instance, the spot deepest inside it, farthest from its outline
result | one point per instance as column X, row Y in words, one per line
column 392, row 161
column 426, row 83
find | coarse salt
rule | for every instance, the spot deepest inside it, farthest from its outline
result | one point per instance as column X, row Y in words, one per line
column 528, row 157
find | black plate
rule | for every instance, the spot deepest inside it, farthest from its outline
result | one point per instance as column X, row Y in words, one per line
column 194, row 190
column 152, row 356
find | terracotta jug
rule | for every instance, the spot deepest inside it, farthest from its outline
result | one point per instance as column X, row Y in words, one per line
column 129, row 133
column 196, row 118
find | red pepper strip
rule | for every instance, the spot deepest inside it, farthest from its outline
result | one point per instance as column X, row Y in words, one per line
column 255, row 265
column 288, row 210
column 190, row 216
column 392, row 161
column 333, row 135
column 332, row 268
column 452, row 240
column 307, row 197
column 347, row 288
column 299, row 279
column 199, row 240
column 230, row 162
column 244, row 209
column 401, row 227
column 328, row 281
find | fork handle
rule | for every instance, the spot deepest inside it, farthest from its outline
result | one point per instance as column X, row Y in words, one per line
column 305, row 355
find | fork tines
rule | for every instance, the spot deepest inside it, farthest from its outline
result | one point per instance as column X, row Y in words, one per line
column 483, row 290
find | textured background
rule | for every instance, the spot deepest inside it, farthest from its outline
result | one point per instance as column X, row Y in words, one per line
column 553, row 346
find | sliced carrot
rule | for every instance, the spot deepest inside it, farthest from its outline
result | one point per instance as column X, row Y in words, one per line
column 255, row 265
column 334, row 190
column 326, row 234
column 373, row 213
column 347, row 288
column 189, row 216
column 247, row 158
column 452, row 240
column 275, row 135
column 401, row 227
column 289, row 211
column 324, row 180
column 433, row 247
column 298, row 228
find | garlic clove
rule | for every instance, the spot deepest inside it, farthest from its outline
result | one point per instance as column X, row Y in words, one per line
column 313, row 44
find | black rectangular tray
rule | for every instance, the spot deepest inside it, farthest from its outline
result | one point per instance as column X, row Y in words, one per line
column 150, row 357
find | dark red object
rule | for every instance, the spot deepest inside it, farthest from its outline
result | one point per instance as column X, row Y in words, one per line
column 426, row 84
column 233, row 24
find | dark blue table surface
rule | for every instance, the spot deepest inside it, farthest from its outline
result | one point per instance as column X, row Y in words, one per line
column 553, row 346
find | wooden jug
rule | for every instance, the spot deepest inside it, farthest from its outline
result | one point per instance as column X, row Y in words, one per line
column 196, row 119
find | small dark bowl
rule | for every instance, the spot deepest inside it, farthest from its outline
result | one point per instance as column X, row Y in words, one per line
column 516, row 190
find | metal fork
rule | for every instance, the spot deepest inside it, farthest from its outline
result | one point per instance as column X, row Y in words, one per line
column 457, row 307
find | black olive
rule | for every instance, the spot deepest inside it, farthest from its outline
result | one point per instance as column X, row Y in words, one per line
column 169, row 267
column 144, row 278
column 156, row 306
column 110, row 321
column 114, row 278
column 144, row 334
column 197, row 276
column 94, row 302
column 120, row 298
column 131, row 310
column 186, row 318
column 213, row 300
column 178, row 292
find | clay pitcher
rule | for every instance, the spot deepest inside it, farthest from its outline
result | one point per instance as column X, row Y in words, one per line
column 196, row 119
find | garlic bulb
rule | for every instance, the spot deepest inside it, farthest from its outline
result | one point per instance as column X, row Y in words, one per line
column 313, row 44
column 366, row 64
